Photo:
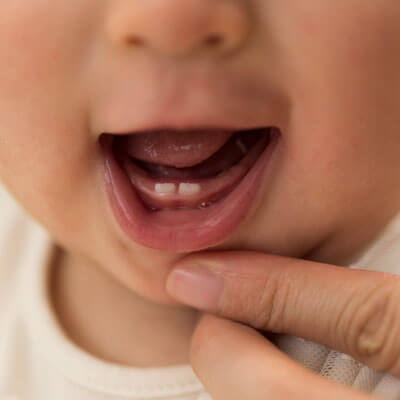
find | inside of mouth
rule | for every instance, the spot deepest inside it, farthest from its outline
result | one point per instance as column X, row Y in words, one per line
column 166, row 187
column 230, row 154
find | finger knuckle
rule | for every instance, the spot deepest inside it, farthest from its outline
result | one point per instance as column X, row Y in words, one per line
column 374, row 326
column 273, row 299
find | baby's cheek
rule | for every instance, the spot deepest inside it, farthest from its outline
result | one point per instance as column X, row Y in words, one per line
column 46, row 154
column 346, row 36
column 343, row 59
column 38, row 41
column 342, row 62
column 44, row 57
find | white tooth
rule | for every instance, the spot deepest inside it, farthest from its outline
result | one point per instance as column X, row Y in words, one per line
column 241, row 146
column 189, row 188
column 165, row 188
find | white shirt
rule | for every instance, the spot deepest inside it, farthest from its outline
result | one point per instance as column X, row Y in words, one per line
column 38, row 361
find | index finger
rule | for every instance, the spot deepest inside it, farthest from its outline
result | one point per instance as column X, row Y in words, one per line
column 354, row 311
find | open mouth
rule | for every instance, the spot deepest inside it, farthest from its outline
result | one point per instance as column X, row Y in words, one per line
column 198, row 185
column 181, row 191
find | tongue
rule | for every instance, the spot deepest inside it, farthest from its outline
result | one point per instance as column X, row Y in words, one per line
column 175, row 149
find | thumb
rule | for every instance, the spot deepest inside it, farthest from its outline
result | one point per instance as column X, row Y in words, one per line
column 235, row 362
column 228, row 358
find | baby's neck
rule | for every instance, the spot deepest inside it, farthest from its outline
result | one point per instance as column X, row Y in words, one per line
column 112, row 323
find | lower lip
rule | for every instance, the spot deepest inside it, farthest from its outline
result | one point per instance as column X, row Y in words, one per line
column 182, row 230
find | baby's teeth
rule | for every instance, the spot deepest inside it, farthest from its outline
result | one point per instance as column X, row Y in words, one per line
column 241, row 146
column 171, row 188
column 189, row 188
column 165, row 188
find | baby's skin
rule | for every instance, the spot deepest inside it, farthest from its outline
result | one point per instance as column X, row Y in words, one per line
column 326, row 73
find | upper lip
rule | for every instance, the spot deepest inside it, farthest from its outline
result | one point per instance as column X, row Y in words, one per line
column 157, row 118
column 192, row 121
column 188, row 128
column 200, row 104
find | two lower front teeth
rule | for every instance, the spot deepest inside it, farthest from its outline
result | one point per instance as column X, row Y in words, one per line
column 172, row 188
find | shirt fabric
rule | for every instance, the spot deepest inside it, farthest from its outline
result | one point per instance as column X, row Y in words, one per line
column 38, row 361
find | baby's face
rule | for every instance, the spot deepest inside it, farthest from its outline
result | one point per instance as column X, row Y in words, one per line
column 326, row 73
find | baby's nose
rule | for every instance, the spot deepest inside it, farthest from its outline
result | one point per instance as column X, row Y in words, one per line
column 179, row 28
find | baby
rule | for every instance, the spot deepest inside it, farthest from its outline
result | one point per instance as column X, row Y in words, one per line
column 136, row 132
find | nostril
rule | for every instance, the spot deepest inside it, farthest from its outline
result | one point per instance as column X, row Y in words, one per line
column 135, row 41
column 213, row 40
column 179, row 27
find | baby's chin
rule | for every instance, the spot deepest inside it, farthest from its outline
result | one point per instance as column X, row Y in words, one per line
column 149, row 269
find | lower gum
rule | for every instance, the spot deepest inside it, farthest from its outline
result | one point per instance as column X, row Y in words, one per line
column 201, row 206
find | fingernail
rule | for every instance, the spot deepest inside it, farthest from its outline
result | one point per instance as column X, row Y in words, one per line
column 196, row 286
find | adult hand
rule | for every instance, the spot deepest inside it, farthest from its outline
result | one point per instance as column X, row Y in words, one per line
column 354, row 311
